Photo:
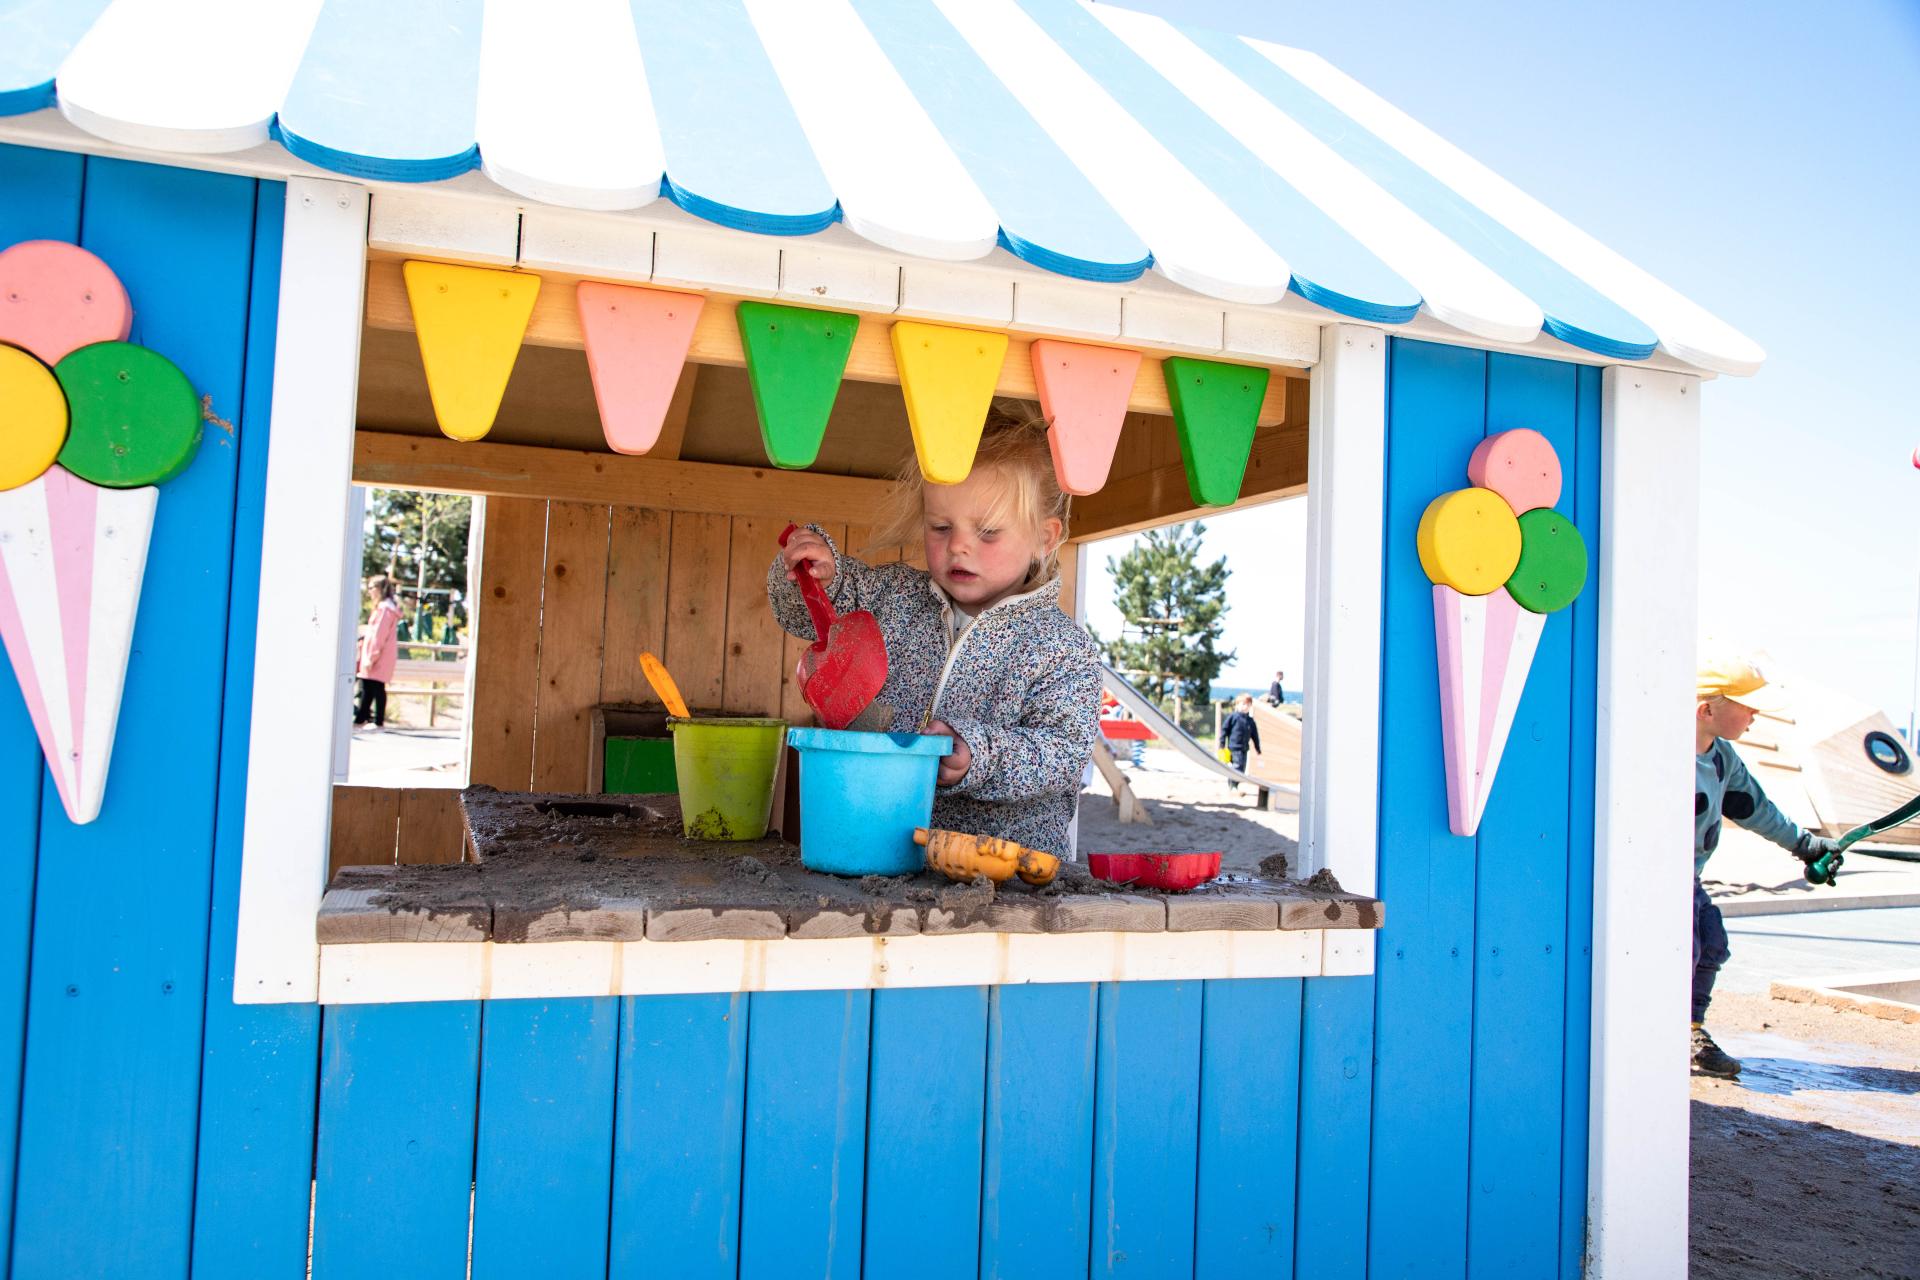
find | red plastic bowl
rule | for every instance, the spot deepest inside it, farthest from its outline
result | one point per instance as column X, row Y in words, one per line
column 1176, row 872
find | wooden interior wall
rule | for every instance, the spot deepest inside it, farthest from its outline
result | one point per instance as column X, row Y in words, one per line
column 570, row 595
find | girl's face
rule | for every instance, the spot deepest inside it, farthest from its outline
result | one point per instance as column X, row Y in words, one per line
column 976, row 562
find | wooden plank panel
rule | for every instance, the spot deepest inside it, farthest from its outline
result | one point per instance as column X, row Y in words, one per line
column 1249, row 1127
column 1146, row 1128
column 697, row 607
column 393, row 1163
column 431, row 828
column 1276, row 468
column 252, row 1180
column 1331, row 1213
column 925, row 1111
column 366, row 827
column 716, row 339
column 1582, row 501
column 439, row 465
column 677, row 1136
column 543, row 1166
column 1036, row 1187
column 1513, row 1166
column 507, row 643
column 43, row 202
column 117, row 991
column 804, row 1161
column 1436, row 413
column 636, row 617
column 572, row 614
column 755, row 647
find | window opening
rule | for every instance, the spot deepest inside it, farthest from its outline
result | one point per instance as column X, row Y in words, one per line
column 408, row 718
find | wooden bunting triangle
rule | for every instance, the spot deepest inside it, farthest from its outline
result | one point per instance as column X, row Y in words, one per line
column 947, row 377
column 1215, row 408
column 1084, row 392
column 469, row 322
column 795, row 359
column 636, row 342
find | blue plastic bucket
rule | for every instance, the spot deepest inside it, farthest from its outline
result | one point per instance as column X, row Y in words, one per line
column 861, row 796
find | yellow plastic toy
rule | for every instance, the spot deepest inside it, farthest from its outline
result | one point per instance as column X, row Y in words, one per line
column 947, row 377
column 959, row 856
column 1469, row 540
column 33, row 417
column 469, row 321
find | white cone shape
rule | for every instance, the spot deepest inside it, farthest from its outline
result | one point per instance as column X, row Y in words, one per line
column 72, row 555
column 1486, row 646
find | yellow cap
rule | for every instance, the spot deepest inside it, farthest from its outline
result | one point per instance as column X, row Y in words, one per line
column 1740, row 680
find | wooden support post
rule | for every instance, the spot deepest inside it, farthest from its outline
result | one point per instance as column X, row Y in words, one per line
column 1647, row 553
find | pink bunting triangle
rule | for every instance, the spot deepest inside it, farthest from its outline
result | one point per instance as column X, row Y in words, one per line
column 636, row 342
column 1084, row 392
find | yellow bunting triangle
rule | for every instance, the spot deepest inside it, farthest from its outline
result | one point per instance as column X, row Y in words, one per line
column 469, row 321
column 947, row 377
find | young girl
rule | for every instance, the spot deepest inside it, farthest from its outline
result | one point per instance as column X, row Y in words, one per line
column 977, row 640
column 377, row 653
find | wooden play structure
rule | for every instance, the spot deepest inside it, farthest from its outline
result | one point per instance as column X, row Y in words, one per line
column 651, row 280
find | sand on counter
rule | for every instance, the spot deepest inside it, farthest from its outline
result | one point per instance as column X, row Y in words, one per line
column 1193, row 812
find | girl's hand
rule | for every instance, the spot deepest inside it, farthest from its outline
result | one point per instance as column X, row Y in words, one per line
column 805, row 544
column 952, row 767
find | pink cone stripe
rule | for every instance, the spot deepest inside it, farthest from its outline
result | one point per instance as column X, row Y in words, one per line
column 636, row 342
column 123, row 530
column 14, row 633
column 1513, row 635
column 71, row 522
column 30, row 623
column 71, row 561
column 1458, row 624
column 1084, row 392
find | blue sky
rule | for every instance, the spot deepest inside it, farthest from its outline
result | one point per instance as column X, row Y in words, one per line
column 1763, row 158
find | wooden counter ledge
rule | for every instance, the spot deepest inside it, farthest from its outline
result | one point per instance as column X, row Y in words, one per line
column 568, row 868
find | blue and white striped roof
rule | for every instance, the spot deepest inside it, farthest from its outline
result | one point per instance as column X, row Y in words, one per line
column 1088, row 140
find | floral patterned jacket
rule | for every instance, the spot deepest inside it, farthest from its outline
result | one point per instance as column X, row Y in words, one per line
column 1021, row 685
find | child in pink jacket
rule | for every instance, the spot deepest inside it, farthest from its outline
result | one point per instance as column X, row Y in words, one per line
column 378, row 650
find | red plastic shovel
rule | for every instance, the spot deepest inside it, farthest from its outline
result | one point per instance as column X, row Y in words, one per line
column 842, row 670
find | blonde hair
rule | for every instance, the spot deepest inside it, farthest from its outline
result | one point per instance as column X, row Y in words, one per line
column 1013, row 445
column 1243, row 700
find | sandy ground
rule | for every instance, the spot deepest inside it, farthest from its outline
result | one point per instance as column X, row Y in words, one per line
column 1193, row 812
column 1809, row 1164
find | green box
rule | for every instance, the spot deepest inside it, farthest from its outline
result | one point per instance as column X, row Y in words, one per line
column 639, row 767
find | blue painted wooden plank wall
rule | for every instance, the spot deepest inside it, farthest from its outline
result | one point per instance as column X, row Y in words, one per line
column 41, row 202
column 109, row 1114
column 1428, row 1119
column 251, row 1178
column 1480, row 1099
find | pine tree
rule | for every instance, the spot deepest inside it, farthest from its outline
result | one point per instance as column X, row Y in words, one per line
column 418, row 540
column 1175, row 609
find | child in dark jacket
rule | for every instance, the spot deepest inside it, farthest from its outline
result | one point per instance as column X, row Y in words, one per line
column 1238, row 732
column 977, row 646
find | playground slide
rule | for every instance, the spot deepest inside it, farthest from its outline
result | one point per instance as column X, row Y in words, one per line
column 1174, row 736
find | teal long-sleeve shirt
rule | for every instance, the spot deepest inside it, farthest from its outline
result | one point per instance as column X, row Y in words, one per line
column 1723, row 787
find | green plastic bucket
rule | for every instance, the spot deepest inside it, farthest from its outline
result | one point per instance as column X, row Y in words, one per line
column 725, row 769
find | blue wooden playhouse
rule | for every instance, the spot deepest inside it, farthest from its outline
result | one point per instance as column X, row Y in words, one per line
column 193, row 1082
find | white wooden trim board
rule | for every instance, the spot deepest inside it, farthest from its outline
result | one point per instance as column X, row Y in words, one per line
column 397, row 972
column 303, row 581
column 1346, row 490
column 1642, row 904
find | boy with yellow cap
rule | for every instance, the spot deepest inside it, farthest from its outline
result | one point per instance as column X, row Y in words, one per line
column 1729, row 693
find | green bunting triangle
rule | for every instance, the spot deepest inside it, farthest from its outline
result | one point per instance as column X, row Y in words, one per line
column 1215, row 408
column 795, row 360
